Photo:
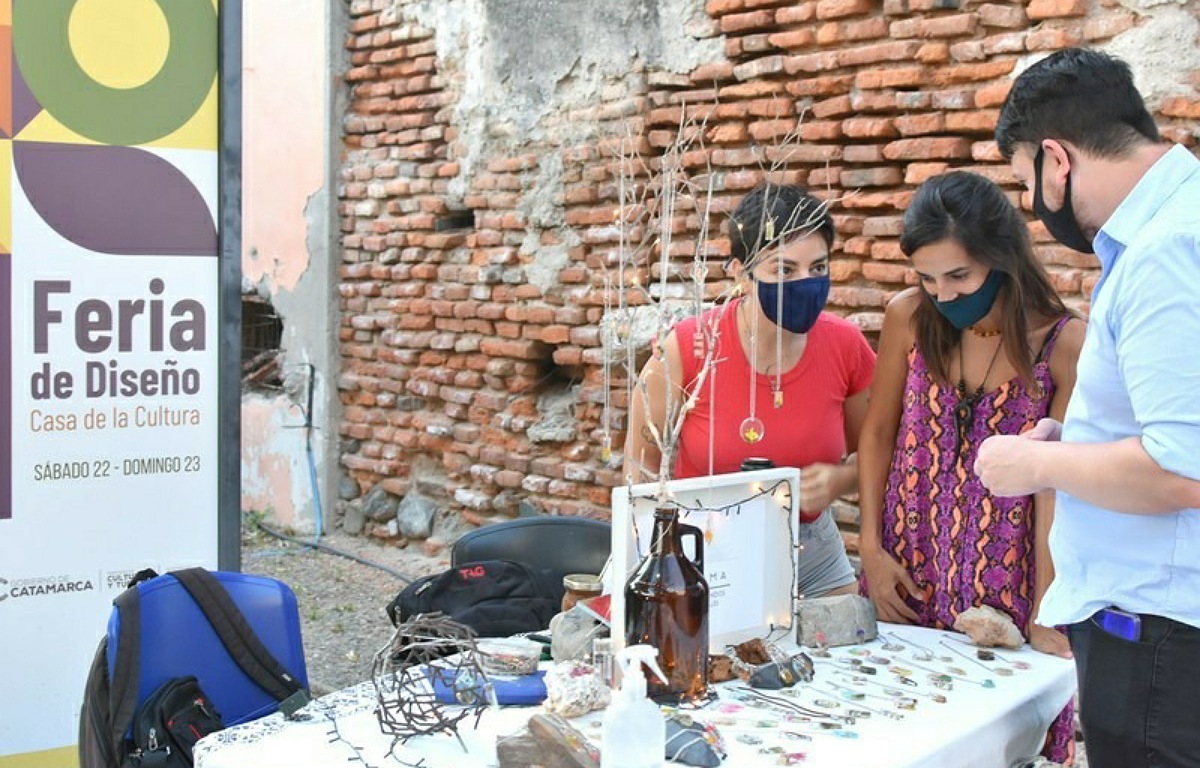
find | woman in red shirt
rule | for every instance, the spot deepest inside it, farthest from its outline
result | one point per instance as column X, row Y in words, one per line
column 789, row 381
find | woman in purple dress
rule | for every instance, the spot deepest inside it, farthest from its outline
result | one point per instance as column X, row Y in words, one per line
column 983, row 346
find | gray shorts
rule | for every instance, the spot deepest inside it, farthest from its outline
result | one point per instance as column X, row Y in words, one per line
column 823, row 562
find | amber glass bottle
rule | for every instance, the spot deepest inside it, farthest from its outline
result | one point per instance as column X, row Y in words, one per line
column 666, row 606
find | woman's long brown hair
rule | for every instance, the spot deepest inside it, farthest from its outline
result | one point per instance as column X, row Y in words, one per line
column 973, row 212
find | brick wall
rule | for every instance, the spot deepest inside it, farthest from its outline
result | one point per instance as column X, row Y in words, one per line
column 447, row 341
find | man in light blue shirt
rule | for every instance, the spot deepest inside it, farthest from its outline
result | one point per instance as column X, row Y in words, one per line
column 1125, row 540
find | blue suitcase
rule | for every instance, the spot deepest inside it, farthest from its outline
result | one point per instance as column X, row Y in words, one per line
column 177, row 640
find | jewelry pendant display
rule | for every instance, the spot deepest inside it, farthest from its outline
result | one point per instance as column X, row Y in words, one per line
column 752, row 430
column 891, row 645
column 981, row 653
column 1021, row 665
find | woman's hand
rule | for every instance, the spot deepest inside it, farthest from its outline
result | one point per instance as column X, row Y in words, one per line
column 820, row 484
column 885, row 578
column 1049, row 641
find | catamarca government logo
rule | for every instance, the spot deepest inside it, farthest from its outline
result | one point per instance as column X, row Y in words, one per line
column 45, row 586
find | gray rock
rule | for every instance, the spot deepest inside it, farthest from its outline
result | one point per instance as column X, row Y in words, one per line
column 506, row 501
column 379, row 505
column 836, row 620
column 415, row 515
column 347, row 488
column 353, row 518
column 690, row 743
column 518, row 750
column 557, row 422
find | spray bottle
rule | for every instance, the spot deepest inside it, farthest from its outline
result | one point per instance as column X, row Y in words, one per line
column 635, row 732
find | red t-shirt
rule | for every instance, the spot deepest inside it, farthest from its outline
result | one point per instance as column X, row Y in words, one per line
column 810, row 426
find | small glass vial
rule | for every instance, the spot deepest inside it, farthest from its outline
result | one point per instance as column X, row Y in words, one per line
column 579, row 586
column 603, row 661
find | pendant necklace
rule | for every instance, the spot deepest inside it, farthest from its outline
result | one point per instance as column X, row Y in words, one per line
column 964, row 412
column 777, row 384
column 1002, row 671
column 752, row 428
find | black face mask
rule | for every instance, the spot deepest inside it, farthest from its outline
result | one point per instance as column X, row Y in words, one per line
column 1063, row 225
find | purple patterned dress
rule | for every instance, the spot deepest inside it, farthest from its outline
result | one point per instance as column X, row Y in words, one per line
column 962, row 546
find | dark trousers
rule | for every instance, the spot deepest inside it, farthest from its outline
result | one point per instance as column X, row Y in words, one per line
column 1139, row 701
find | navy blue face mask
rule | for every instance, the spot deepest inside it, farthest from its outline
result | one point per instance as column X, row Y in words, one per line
column 969, row 309
column 803, row 301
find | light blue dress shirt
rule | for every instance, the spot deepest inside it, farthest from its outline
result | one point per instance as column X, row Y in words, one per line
column 1138, row 375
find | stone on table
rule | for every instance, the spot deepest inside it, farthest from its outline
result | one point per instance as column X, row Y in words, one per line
column 835, row 620
column 574, row 688
column 547, row 741
column 989, row 627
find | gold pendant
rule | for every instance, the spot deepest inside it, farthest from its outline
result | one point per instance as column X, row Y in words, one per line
column 752, row 429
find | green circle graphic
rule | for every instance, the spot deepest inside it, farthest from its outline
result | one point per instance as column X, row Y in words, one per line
column 115, row 115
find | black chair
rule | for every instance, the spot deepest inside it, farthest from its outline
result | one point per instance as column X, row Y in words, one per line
column 554, row 545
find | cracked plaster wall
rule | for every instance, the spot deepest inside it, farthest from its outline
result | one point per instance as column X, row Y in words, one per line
column 1163, row 48
column 291, row 49
column 522, row 62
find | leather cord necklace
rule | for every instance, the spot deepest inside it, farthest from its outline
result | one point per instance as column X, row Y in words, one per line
column 964, row 412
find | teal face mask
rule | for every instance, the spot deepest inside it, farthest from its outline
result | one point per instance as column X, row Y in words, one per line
column 967, row 310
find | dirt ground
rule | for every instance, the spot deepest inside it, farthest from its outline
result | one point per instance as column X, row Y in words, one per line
column 341, row 601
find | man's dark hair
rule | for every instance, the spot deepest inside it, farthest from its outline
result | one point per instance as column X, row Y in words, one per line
column 1078, row 95
column 791, row 211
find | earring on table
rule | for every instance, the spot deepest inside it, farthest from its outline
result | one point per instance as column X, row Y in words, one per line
column 942, row 676
column 893, row 645
column 990, row 654
column 1002, row 671
column 1018, row 664
column 858, row 703
column 822, row 650
column 926, row 654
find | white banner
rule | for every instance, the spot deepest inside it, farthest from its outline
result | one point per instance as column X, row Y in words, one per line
column 109, row 284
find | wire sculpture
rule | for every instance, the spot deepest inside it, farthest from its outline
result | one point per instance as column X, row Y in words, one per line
column 427, row 654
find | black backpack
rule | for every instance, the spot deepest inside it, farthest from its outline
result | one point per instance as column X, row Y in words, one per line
column 496, row 598
column 116, row 731
column 169, row 722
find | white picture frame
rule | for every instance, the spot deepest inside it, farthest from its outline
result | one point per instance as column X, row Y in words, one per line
column 752, row 575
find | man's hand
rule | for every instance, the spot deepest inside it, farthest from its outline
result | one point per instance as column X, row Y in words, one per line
column 820, row 484
column 1049, row 641
column 1008, row 465
column 885, row 579
column 1048, row 430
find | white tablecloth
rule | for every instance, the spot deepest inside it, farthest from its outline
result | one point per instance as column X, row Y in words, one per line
column 977, row 726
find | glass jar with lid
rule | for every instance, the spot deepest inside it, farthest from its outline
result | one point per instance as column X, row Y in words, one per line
column 579, row 586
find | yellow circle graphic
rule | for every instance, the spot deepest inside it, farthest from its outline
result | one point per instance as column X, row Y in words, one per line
column 119, row 44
